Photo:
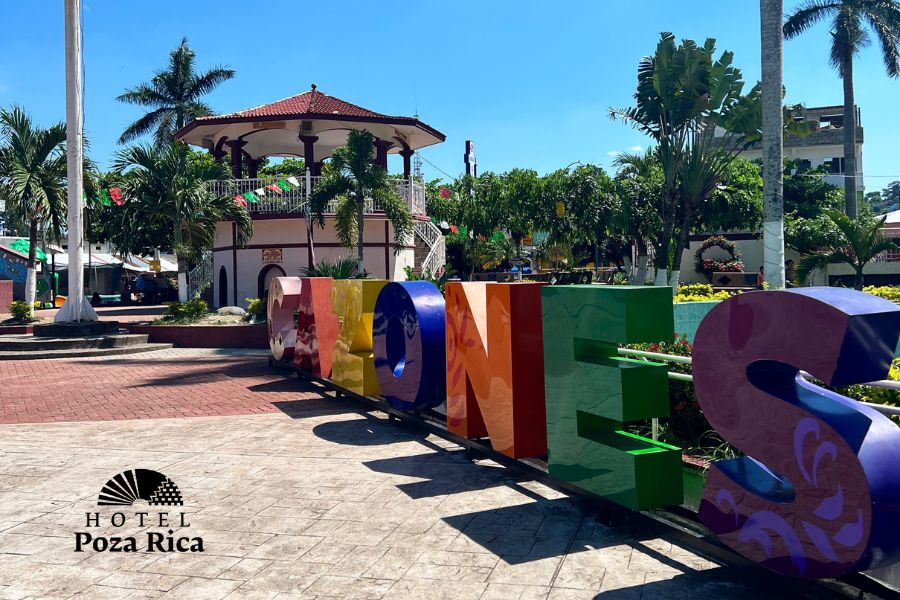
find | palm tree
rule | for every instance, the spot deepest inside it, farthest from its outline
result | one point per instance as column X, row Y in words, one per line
column 174, row 95
column 848, row 35
column 353, row 180
column 773, row 142
column 165, row 191
column 33, row 180
column 638, row 184
column 861, row 242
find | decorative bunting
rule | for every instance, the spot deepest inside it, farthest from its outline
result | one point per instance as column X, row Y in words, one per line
column 261, row 192
column 284, row 186
column 239, row 200
column 250, row 197
column 116, row 195
column 104, row 198
column 293, row 181
column 275, row 188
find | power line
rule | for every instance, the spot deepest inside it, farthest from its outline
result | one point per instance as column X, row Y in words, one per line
column 435, row 166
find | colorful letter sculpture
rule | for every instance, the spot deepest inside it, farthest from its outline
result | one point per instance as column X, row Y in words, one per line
column 821, row 496
column 284, row 297
column 353, row 364
column 591, row 392
column 408, row 343
column 495, row 375
column 317, row 327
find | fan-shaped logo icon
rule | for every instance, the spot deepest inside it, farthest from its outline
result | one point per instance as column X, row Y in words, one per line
column 140, row 484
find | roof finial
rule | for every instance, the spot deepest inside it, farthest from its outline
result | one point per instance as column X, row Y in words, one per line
column 313, row 87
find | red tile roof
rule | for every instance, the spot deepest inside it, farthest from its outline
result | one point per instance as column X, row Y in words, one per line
column 310, row 103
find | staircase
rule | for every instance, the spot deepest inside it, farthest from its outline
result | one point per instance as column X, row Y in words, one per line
column 430, row 253
column 29, row 347
column 200, row 277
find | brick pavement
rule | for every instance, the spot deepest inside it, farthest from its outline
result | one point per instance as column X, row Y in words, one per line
column 336, row 505
column 170, row 383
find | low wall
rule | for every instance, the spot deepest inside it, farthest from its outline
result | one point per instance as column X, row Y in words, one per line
column 5, row 329
column 204, row 336
column 6, row 295
column 688, row 316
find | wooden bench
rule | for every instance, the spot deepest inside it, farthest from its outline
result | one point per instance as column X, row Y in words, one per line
column 734, row 281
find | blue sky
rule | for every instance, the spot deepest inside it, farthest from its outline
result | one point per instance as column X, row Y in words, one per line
column 530, row 82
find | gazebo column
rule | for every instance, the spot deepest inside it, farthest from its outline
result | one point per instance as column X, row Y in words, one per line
column 309, row 154
column 381, row 150
column 236, row 164
column 253, row 167
column 407, row 153
column 316, row 168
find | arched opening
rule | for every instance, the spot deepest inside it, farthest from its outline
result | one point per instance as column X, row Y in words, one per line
column 223, row 287
column 265, row 278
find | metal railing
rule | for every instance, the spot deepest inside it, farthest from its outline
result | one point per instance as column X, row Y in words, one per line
column 200, row 277
column 295, row 200
column 437, row 255
column 883, row 383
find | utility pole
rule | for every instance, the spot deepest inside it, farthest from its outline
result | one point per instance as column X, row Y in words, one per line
column 75, row 308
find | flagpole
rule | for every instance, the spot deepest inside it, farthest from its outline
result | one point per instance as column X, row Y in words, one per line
column 74, row 309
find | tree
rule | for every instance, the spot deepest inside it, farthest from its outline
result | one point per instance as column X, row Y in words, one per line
column 353, row 180
column 476, row 206
column 886, row 200
column 174, row 95
column 32, row 180
column 860, row 241
column 737, row 202
column 849, row 34
column 287, row 167
column 638, row 186
column 165, row 190
column 521, row 202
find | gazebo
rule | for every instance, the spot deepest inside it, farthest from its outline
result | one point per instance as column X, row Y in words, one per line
column 310, row 125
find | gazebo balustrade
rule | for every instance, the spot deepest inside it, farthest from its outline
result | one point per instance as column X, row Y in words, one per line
column 297, row 199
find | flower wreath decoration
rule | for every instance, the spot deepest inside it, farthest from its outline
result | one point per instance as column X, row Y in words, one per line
column 708, row 266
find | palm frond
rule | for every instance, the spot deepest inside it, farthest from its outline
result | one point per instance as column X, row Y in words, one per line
column 808, row 14
column 345, row 221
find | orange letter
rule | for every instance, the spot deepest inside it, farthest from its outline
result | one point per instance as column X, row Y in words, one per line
column 284, row 297
column 317, row 327
column 495, row 365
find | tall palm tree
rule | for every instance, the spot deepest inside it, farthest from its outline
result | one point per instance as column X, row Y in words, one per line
column 848, row 35
column 33, row 180
column 174, row 94
column 351, row 181
column 165, row 191
column 771, row 12
column 861, row 242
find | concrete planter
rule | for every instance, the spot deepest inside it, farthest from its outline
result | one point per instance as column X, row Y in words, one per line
column 8, row 329
column 205, row 336
column 688, row 316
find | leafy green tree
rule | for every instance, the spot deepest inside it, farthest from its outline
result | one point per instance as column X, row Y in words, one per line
column 165, row 191
column 521, row 204
column 735, row 204
column 352, row 180
column 860, row 240
column 288, row 167
column 849, row 34
column 886, row 200
column 174, row 95
column 638, row 186
column 32, row 180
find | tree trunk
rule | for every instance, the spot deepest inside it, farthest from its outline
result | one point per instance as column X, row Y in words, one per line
column 31, row 280
column 642, row 263
column 360, row 223
column 772, row 142
column 662, row 255
column 182, row 279
column 860, row 279
column 849, row 137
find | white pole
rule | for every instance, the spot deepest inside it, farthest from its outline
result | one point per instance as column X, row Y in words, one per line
column 74, row 309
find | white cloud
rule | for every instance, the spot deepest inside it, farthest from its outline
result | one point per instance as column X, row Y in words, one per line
column 613, row 153
column 637, row 148
column 3, row 87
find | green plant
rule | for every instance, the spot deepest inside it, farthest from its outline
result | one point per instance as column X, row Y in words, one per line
column 861, row 241
column 174, row 94
column 32, row 180
column 439, row 282
column 185, row 312
column 20, row 310
column 699, row 292
column 352, row 179
column 708, row 266
column 256, row 310
column 888, row 292
column 620, row 278
column 341, row 268
column 888, row 397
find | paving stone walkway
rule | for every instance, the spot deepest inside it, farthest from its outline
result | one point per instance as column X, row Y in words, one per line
column 311, row 499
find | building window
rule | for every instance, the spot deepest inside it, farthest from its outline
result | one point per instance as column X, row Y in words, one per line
column 836, row 165
column 832, row 121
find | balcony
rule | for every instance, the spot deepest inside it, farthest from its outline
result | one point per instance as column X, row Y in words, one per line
column 295, row 200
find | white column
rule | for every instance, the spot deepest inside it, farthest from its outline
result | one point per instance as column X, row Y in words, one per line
column 75, row 308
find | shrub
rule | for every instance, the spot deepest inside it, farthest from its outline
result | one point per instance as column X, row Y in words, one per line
column 699, row 292
column 888, row 292
column 877, row 395
column 185, row 312
column 620, row 278
column 20, row 310
column 439, row 282
column 342, row 268
column 256, row 310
